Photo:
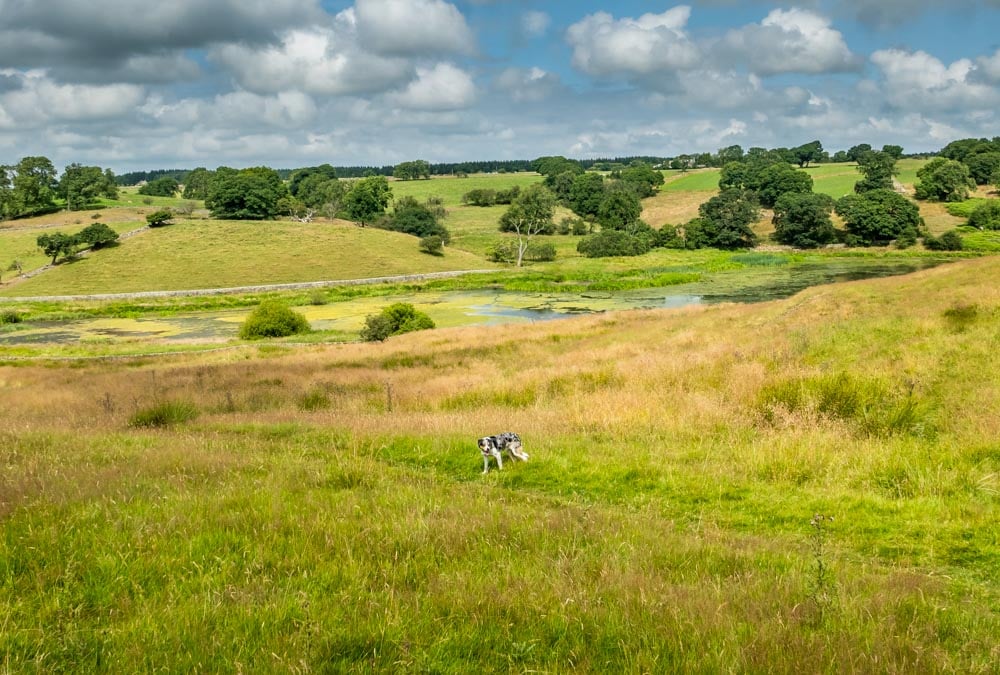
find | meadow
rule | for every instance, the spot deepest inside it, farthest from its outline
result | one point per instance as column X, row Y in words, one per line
column 321, row 508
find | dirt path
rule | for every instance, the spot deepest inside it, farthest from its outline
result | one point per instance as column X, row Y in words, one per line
column 263, row 288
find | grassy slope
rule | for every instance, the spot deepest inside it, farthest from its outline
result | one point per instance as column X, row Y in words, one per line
column 211, row 254
column 20, row 240
column 661, row 525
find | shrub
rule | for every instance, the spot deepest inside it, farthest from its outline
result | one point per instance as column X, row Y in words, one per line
column 395, row 319
column 986, row 216
column 480, row 197
column 273, row 319
column 163, row 414
column 506, row 252
column 612, row 243
column 949, row 241
column 97, row 235
column 161, row 187
column 160, row 218
column 9, row 316
column 432, row 245
column 317, row 296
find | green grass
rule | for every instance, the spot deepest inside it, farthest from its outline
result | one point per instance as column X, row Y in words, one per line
column 213, row 254
column 21, row 242
column 701, row 180
column 324, row 511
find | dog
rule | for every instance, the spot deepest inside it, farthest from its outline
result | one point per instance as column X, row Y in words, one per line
column 495, row 446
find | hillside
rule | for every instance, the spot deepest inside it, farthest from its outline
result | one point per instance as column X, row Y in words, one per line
column 325, row 507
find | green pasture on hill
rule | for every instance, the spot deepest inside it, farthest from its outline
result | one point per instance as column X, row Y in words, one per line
column 22, row 243
column 220, row 254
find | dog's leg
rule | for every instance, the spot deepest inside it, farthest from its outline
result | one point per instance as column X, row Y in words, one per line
column 496, row 453
column 486, row 464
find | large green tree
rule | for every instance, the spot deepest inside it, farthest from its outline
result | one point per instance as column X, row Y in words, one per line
column 778, row 179
column 619, row 209
column 586, row 195
column 808, row 152
column 164, row 186
column 57, row 244
column 642, row 178
column 413, row 170
column 725, row 220
column 367, row 199
column 982, row 166
column 246, row 194
column 877, row 169
column 529, row 215
column 944, row 180
column 198, row 183
column 877, row 217
column 81, row 185
column 33, row 186
column 803, row 219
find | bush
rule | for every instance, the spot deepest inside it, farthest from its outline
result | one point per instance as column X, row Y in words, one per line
column 161, row 187
column 432, row 245
column 160, row 218
column 480, row 197
column 612, row 243
column 9, row 316
column 163, row 414
column 395, row 319
column 273, row 319
column 949, row 241
column 986, row 216
column 97, row 235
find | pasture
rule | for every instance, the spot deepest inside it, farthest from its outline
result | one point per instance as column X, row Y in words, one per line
column 321, row 508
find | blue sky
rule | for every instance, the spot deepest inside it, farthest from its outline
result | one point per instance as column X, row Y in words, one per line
column 287, row 83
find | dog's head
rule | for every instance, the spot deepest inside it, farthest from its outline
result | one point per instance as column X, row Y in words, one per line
column 485, row 444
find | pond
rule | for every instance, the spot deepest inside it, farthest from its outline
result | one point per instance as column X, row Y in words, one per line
column 480, row 307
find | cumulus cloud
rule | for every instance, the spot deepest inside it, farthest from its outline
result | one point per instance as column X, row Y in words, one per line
column 919, row 81
column 603, row 45
column 39, row 101
column 531, row 84
column 413, row 27
column 791, row 41
column 988, row 67
column 441, row 87
column 321, row 61
column 73, row 38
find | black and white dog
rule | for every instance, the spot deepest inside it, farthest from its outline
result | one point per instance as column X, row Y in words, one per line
column 494, row 446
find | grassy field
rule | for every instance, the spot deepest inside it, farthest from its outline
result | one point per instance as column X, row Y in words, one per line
column 219, row 254
column 450, row 188
column 321, row 508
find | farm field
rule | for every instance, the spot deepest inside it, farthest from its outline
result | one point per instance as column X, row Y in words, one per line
column 322, row 508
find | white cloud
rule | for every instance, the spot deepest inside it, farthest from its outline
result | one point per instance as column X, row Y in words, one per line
column 39, row 101
column 989, row 67
column 442, row 87
column 235, row 110
column 791, row 41
column 652, row 43
column 413, row 27
column 532, row 84
column 919, row 81
column 534, row 23
column 322, row 61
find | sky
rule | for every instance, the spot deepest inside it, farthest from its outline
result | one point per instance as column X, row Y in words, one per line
column 288, row 83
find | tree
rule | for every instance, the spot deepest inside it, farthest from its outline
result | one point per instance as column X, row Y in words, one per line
column 165, row 186
column 878, row 168
column 586, row 195
column 57, row 244
column 246, row 194
column 733, row 153
column 96, row 236
column 982, row 166
column 549, row 166
column 619, row 209
column 643, row 178
column 855, row 153
column 561, row 184
column 367, row 198
column 877, row 217
column 81, row 185
column 778, row 179
column 529, row 215
column 944, row 180
column 412, row 217
column 322, row 192
column 894, row 151
column 726, row 220
column 6, row 192
column 808, row 152
column 33, row 186
column 198, row 183
column 323, row 171
column 480, row 197
column 803, row 219
column 418, row 168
